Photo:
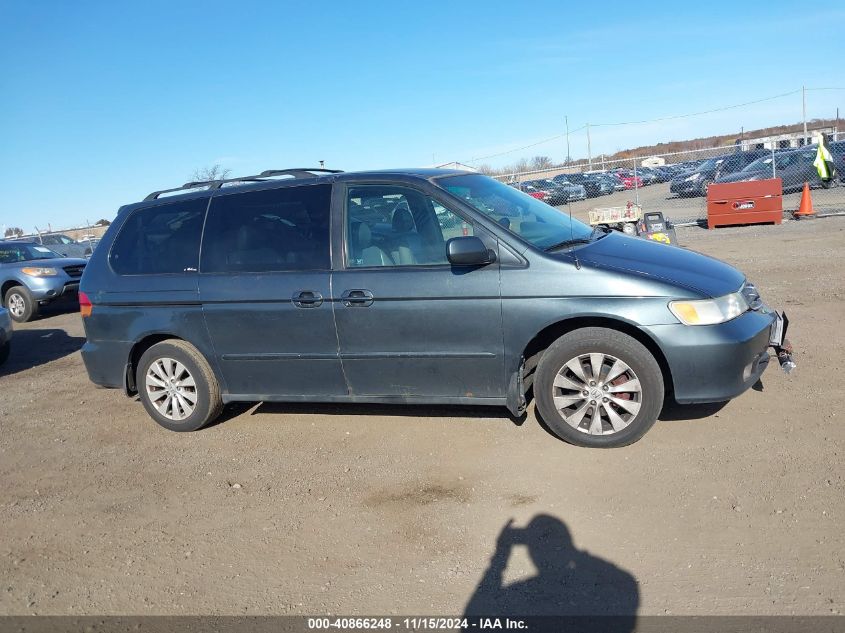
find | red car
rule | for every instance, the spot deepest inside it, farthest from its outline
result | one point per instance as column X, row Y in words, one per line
column 628, row 179
column 532, row 191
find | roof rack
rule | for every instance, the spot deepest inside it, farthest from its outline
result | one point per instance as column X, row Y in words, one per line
column 299, row 172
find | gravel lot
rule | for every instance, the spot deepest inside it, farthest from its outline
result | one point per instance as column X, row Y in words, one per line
column 388, row 510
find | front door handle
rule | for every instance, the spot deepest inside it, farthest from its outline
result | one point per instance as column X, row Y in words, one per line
column 357, row 298
column 307, row 299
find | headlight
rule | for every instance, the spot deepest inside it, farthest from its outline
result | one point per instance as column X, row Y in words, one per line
column 709, row 311
column 40, row 272
column 695, row 176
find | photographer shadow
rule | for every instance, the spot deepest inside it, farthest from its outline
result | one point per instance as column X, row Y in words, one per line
column 569, row 582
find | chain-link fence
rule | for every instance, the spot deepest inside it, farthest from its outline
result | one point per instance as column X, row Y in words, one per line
column 676, row 183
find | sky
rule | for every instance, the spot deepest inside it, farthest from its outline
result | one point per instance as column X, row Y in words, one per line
column 103, row 102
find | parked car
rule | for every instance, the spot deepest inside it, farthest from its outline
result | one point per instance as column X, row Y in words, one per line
column 695, row 182
column 561, row 191
column 594, row 185
column 662, row 173
column 608, row 177
column 532, row 191
column 64, row 245
column 794, row 168
column 837, row 150
column 5, row 334
column 647, row 175
column 280, row 290
column 91, row 244
column 556, row 193
column 31, row 275
column 628, row 179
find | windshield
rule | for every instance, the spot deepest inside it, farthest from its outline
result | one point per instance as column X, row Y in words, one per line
column 710, row 163
column 12, row 253
column 759, row 164
column 532, row 220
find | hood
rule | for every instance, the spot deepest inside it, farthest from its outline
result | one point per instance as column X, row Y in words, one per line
column 705, row 173
column 671, row 264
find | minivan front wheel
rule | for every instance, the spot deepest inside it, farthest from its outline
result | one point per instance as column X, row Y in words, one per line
column 598, row 387
column 178, row 387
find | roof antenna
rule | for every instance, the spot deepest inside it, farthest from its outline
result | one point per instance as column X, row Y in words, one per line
column 571, row 233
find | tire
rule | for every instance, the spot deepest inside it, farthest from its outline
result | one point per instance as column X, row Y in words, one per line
column 173, row 409
column 637, row 412
column 4, row 352
column 629, row 228
column 703, row 190
column 21, row 305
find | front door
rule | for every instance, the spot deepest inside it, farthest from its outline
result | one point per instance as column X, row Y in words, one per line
column 410, row 324
column 265, row 289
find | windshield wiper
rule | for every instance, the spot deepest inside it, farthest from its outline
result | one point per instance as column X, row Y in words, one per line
column 597, row 233
column 575, row 240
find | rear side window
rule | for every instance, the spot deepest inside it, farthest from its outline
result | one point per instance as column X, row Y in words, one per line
column 160, row 240
column 270, row 230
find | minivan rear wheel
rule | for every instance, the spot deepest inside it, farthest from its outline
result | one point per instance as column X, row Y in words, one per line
column 178, row 387
column 598, row 387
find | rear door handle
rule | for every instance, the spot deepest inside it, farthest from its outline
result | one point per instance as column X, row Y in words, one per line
column 307, row 299
column 357, row 298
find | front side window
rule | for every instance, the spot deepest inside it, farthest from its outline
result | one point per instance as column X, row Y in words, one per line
column 398, row 226
column 271, row 230
column 160, row 240
column 534, row 221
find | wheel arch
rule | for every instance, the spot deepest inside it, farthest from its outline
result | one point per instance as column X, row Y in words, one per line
column 142, row 345
column 549, row 334
column 8, row 285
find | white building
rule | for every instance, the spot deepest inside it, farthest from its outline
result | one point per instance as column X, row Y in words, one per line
column 784, row 141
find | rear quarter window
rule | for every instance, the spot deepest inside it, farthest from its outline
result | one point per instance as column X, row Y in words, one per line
column 270, row 230
column 160, row 240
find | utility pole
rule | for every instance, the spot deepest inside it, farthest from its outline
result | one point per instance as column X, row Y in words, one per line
column 568, row 155
column 804, row 110
column 589, row 151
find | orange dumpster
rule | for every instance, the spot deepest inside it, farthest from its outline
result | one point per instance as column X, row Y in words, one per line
column 738, row 203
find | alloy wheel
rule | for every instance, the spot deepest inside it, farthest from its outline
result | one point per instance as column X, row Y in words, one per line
column 171, row 388
column 597, row 394
column 17, row 305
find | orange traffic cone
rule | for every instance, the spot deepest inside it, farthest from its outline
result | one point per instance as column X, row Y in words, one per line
column 806, row 207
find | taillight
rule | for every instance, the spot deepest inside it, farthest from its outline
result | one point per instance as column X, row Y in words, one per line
column 85, row 305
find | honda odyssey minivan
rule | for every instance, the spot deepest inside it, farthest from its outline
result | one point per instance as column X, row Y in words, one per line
column 414, row 286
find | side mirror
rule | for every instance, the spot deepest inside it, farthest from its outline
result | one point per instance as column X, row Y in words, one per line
column 468, row 251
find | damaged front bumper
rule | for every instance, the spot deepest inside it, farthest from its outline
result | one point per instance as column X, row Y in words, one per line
column 781, row 344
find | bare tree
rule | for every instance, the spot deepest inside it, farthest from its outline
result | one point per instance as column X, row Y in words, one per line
column 13, row 231
column 215, row 172
column 487, row 170
column 541, row 162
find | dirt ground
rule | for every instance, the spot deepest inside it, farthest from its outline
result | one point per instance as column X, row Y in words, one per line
column 301, row 509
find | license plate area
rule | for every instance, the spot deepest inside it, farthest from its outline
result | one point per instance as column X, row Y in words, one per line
column 777, row 333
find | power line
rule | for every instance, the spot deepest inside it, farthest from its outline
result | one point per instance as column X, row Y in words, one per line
column 519, row 149
column 657, row 120
column 686, row 116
